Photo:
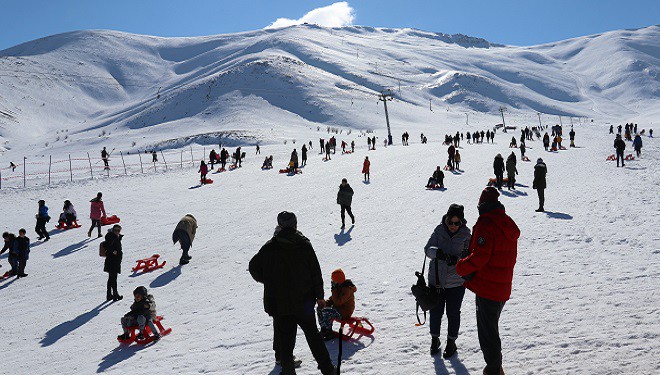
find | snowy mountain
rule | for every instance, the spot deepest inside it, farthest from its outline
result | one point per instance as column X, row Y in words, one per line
column 95, row 84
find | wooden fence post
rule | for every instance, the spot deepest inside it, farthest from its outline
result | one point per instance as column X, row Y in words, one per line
column 70, row 168
column 164, row 161
column 50, row 163
column 140, row 156
column 24, row 160
column 122, row 161
column 90, row 166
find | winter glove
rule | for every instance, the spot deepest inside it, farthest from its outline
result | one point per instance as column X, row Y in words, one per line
column 451, row 260
column 440, row 255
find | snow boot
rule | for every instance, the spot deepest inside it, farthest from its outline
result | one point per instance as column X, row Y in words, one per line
column 117, row 297
column 124, row 336
column 296, row 362
column 435, row 345
column 89, row 234
column 540, row 209
column 332, row 370
column 501, row 371
column 450, row 349
column 184, row 261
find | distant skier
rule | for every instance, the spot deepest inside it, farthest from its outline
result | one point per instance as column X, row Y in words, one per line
column 344, row 200
column 365, row 168
column 611, row 129
column 12, row 166
column 540, row 171
column 352, row 146
column 42, row 219
column 498, row 167
column 258, row 149
column 620, row 147
column 104, row 157
column 546, row 141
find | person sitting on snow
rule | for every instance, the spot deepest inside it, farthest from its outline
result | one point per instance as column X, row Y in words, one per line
column 68, row 214
column 142, row 313
column 340, row 306
column 437, row 179
column 268, row 162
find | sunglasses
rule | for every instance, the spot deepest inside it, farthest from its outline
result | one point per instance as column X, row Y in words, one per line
column 454, row 223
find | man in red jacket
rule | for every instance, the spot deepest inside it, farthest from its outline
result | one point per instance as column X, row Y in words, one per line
column 489, row 273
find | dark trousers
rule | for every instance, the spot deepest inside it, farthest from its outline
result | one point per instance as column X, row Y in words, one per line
column 13, row 262
column 452, row 299
column 541, row 193
column 70, row 219
column 202, row 178
column 112, row 284
column 499, row 177
column 21, row 267
column 511, row 181
column 285, row 341
column 488, row 316
column 619, row 156
column 344, row 209
column 40, row 228
column 638, row 150
column 97, row 224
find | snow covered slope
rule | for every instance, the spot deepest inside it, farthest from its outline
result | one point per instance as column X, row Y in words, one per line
column 585, row 294
column 89, row 87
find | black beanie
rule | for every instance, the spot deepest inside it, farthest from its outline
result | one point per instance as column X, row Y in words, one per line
column 456, row 210
column 286, row 219
column 141, row 291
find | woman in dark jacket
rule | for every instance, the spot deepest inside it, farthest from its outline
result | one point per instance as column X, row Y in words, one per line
column 448, row 243
column 344, row 199
column 113, row 256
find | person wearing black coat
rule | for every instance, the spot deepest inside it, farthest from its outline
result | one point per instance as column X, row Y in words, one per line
column 303, row 154
column 620, row 147
column 498, row 167
column 289, row 269
column 12, row 258
column 540, row 170
column 22, row 252
column 344, row 199
column 113, row 259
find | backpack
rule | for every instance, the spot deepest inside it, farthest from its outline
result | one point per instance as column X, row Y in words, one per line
column 152, row 306
column 102, row 249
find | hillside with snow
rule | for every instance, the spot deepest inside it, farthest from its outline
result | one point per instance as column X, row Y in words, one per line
column 81, row 89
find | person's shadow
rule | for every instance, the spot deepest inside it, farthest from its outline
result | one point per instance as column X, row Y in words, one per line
column 166, row 277
column 456, row 364
column 343, row 237
column 558, row 215
column 72, row 248
column 119, row 354
column 348, row 347
column 63, row 329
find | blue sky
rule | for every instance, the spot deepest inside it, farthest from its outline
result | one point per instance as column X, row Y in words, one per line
column 515, row 22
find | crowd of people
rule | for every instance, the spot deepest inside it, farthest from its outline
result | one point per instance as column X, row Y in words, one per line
column 480, row 259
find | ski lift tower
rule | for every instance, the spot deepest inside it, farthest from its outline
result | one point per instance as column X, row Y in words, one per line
column 502, row 110
column 386, row 96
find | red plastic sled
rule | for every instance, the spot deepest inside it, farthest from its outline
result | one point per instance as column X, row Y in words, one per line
column 611, row 158
column 148, row 264
column 492, row 181
column 348, row 152
column 297, row 171
column 360, row 325
column 110, row 220
column 207, row 181
column 525, row 158
column 6, row 275
column 629, row 157
column 435, row 187
column 62, row 225
column 232, row 167
column 147, row 333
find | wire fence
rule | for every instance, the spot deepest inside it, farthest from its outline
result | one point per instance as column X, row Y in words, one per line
column 80, row 167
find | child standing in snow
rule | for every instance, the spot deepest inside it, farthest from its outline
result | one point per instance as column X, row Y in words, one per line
column 143, row 311
column 203, row 170
column 365, row 168
column 340, row 306
column 22, row 250
column 42, row 219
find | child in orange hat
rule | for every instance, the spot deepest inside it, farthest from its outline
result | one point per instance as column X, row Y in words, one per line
column 340, row 305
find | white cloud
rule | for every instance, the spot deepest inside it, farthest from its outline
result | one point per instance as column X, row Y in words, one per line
column 335, row 15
